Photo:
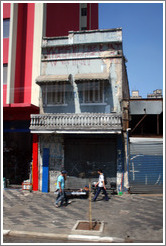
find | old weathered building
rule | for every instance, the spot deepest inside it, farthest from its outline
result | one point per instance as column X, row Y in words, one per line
column 84, row 107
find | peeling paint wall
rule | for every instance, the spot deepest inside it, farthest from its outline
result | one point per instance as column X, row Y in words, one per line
column 116, row 84
column 125, row 85
column 85, row 59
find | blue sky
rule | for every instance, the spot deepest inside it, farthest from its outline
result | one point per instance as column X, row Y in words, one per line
column 142, row 29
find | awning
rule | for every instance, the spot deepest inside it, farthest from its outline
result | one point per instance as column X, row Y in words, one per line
column 78, row 77
column 51, row 78
column 91, row 76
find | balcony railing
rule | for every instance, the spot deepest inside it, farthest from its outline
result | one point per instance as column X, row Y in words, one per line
column 76, row 122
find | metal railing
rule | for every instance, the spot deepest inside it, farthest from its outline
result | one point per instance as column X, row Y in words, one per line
column 76, row 121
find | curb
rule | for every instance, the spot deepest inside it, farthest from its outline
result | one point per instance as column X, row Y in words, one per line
column 64, row 236
column 95, row 239
column 6, row 232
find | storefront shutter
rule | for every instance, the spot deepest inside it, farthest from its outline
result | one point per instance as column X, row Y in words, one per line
column 146, row 165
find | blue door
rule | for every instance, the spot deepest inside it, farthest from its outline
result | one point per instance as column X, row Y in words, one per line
column 45, row 174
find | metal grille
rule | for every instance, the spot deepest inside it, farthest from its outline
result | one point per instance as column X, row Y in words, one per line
column 146, row 165
column 84, row 156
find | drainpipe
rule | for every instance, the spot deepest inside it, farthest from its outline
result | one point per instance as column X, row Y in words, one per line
column 127, row 131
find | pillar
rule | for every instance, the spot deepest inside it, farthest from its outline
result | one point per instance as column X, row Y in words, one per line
column 35, row 162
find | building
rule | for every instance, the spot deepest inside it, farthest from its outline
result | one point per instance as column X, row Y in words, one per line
column 156, row 94
column 146, row 145
column 24, row 25
column 84, row 103
column 135, row 94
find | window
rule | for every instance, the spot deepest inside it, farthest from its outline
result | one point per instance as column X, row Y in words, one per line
column 92, row 92
column 84, row 12
column 83, row 16
column 83, row 28
column 54, row 94
column 6, row 25
column 5, row 67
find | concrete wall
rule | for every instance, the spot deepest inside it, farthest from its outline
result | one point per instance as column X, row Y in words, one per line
column 86, row 53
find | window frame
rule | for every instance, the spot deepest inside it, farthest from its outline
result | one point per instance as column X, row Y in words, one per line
column 101, row 85
column 5, row 65
column 62, row 94
column 8, row 26
column 84, row 11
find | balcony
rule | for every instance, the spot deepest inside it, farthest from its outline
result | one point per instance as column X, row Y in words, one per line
column 74, row 123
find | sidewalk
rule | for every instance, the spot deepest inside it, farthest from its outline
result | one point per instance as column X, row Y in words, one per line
column 127, row 217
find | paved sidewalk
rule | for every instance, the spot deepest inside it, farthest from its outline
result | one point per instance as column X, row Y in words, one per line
column 126, row 217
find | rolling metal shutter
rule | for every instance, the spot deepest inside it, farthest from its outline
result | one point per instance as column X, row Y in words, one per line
column 146, row 165
column 84, row 155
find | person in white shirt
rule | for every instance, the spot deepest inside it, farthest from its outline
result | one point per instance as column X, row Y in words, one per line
column 101, row 186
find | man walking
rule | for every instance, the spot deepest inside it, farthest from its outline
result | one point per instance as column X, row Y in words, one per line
column 101, row 186
column 61, row 192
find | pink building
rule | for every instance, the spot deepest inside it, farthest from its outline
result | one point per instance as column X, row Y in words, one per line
column 24, row 25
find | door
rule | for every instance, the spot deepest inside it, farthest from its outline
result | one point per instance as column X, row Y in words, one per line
column 45, row 173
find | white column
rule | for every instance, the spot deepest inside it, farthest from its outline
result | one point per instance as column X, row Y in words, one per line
column 37, row 42
column 12, row 53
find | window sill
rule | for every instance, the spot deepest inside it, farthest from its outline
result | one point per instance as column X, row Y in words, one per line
column 93, row 104
column 53, row 105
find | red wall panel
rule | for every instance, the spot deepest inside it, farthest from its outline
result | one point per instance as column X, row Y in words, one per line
column 4, row 94
column 18, row 111
column 29, row 53
column 94, row 16
column 20, row 52
column 61, row 18
column 6, row 15
column 6, row 10
column 5, row 50
column 24, row 53
column 35, row 162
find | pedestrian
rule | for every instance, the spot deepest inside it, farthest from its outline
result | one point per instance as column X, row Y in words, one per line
column 61, row 197
column 100, row 186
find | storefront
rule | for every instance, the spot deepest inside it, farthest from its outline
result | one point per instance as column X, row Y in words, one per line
column 17, row 151
column 81, row 155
